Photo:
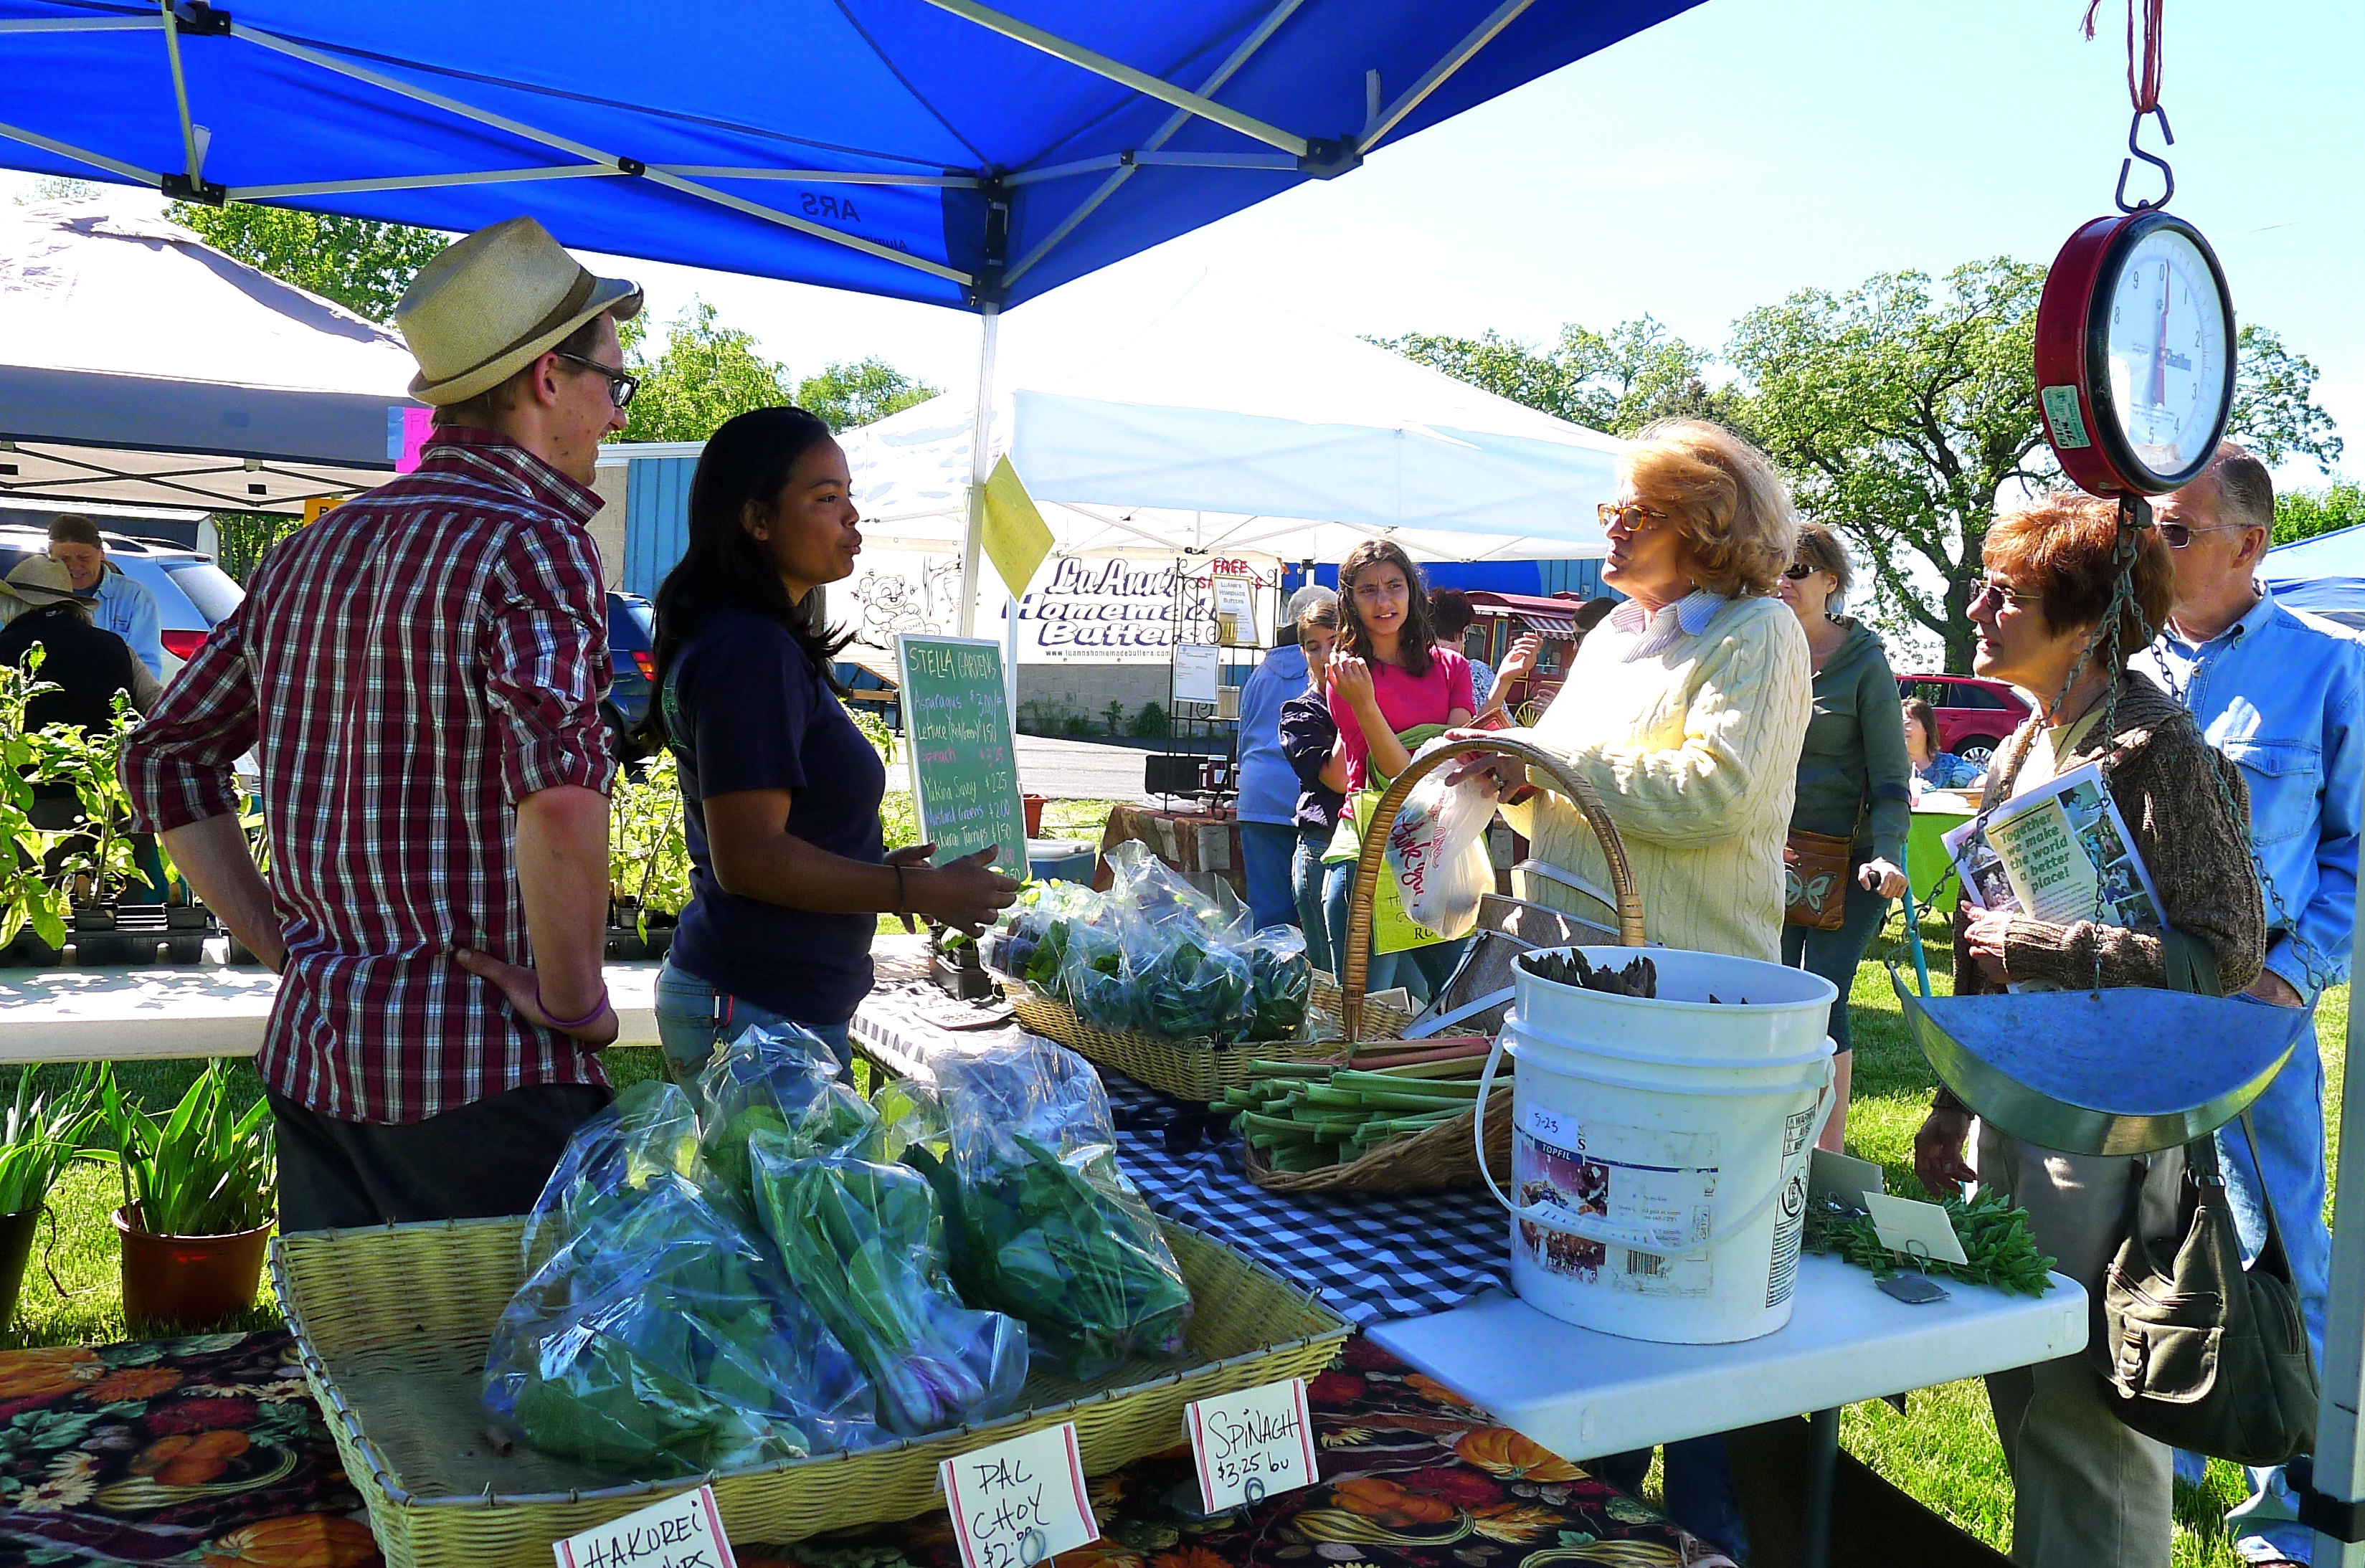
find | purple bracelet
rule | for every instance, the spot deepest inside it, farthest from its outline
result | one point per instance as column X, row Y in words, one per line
column 569, row 1026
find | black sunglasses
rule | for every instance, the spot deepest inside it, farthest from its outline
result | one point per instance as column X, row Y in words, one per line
column 1798, row 571
column 621, row 386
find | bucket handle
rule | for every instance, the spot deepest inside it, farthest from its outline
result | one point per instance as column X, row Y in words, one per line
column 1608, row 1236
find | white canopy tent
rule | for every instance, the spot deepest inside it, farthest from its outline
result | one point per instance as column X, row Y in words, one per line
column 141, row 367
column 1222, row 426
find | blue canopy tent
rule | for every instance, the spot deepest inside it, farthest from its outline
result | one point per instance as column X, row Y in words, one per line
column 2323, row 575
column 937, row 150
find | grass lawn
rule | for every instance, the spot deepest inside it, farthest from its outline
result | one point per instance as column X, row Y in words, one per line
column 1941, row 1449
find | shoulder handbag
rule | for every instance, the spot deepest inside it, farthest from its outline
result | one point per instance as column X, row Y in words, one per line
column 2202, row 1353
column 1815, row 879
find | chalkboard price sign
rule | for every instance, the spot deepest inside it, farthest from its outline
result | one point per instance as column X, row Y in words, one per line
column 956, row 732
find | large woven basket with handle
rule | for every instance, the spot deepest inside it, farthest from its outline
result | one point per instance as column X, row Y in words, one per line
column 393, row 1324
column 1444, row 1158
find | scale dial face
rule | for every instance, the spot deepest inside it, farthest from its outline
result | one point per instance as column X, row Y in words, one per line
column 2165, row 350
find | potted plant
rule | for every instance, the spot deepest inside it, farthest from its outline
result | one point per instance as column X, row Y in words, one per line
column 648, row 863
column 101, row 863
column 32, row 903
column 199, row 1190
column 40, row 1135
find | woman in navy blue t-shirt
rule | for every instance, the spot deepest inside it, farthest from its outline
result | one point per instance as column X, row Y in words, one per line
column 789, row 870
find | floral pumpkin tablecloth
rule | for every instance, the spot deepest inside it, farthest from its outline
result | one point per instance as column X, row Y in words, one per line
column 208, row 1452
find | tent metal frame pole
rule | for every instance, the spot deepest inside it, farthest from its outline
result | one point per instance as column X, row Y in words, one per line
column 420, row 182
column 84, row 25
column 1125, row 75
column 819, row 177
column 1115, row 182
column 620, row 165
column 980, row 429
column 193, row 165
column 2340, row 1456
column 1279, row 163
column 1462, row 53
column 131, row 171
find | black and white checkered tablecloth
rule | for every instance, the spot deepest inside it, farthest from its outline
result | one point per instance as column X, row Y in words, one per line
column 1370, row 1258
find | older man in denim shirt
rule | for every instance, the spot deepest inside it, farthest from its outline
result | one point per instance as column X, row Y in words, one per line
column 2281, row 693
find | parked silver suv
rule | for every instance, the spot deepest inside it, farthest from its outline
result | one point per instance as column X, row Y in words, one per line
column 191, row 592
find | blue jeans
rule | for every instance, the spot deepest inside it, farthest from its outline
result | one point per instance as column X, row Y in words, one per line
column 1305, row 869
column 693, row 1018
column 2289, row 1120
column 1265, row 849
column 1422, row 971
column 1834, row 955
column 1699, row 1490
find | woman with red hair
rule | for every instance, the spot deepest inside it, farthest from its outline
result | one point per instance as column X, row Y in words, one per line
column 2089, row 1490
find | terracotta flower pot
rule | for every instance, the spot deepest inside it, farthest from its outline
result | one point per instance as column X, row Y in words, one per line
column 183, row 1283
column 1032, row 806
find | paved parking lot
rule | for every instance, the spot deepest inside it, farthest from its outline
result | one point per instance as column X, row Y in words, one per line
column 1079, row 770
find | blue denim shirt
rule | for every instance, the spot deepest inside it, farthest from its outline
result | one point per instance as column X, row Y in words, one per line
column 126, row 608
column 2281, row 693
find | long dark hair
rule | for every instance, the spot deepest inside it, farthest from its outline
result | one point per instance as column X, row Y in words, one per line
column 1415, row 642
column 747, row 459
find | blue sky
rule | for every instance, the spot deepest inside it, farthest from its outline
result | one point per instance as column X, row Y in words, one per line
column 1745, row 149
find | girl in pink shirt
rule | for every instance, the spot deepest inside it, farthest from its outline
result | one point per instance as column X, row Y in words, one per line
column 1387, row 677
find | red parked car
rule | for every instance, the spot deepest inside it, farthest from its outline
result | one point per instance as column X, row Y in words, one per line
column 1974, row 716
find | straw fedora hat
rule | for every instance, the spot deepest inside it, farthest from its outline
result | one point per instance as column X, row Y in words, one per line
column 488, row 306
column 36, row 579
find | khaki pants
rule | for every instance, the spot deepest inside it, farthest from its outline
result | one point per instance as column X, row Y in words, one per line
column 2087, row 1492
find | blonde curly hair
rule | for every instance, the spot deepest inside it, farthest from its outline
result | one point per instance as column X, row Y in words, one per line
column 1733, row 510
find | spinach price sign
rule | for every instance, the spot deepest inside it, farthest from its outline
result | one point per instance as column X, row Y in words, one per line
column 957, row 733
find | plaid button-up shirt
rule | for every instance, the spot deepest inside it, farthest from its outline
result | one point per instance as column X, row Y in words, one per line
column 405, row 669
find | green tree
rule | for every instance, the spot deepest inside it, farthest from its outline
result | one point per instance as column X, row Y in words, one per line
column 1899, row 409
column 848, row 395
column 361, row 265
column 2303, row 514
column 706, row 373
column 1617, row 381
column 248, row 536
column 2275, row 412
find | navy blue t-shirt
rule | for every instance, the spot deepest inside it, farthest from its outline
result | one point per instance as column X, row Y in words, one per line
column 747, row 710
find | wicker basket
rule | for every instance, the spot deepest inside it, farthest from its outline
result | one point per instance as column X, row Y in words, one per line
column 392, row 1325
column 1193, row 1070
column 1444, row 1158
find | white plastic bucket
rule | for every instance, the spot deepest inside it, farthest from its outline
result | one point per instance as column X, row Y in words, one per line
column 1660, row 1146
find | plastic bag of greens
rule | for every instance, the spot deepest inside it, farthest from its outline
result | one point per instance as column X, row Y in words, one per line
column 1280, row 981
column 1183, row 984
column 1147, row 890
column 862, row 1242
column 648, row 1129
column 662, row 1339
column 1093, row 978
column 1051, row 1230
column 780, row 1079
column 1031, row 938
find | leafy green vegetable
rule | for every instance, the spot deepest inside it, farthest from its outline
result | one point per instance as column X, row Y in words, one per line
column 1188, row 990
column 1067, row 1246
column 862, row 1242
column 662, row 1339
column 1997, row 1243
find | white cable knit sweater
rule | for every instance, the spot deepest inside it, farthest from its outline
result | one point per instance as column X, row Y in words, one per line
column 1694, row 749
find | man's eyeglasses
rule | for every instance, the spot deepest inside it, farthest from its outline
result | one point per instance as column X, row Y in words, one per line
column 1628, row 517
column 2177, row 535
column 2002, row 594
column 1798, row 571
column 621, row 386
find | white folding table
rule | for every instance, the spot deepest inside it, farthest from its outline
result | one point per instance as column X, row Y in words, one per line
column 163, row 1014
column 1582, row 1393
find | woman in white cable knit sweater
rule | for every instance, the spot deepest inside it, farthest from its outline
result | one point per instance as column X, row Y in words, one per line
column 1686, row 709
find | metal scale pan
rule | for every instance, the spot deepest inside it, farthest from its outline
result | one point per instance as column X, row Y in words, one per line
column 2123, row 1071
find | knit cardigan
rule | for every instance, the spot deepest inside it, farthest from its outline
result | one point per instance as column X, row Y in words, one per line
column 2162, row 774
column 1694, row 751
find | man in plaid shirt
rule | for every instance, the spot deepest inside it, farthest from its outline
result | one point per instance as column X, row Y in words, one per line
column 419, row 674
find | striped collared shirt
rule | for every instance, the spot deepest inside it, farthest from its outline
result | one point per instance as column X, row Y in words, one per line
column 406, row 670
column 1654, row 631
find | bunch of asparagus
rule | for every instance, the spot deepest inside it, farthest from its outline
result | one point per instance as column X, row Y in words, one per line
column 1307, row 1116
